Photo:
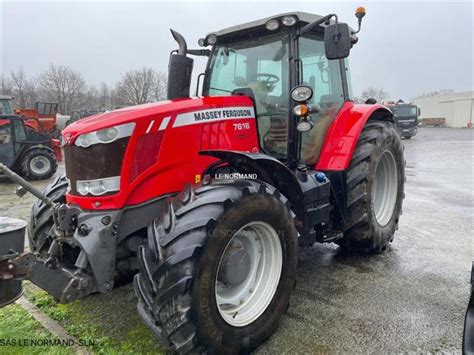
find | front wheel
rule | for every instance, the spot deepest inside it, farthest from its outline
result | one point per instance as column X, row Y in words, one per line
column 219, row 268
column 375, row 189
column 39, row 164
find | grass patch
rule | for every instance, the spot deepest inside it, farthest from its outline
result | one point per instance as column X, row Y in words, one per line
column 108, row 323
column 19, row 329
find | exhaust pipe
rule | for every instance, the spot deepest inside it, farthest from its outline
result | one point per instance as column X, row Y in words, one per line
column 180, row 69
column 183, row 47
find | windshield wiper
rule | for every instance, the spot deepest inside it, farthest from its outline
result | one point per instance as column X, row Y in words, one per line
column 210, row 87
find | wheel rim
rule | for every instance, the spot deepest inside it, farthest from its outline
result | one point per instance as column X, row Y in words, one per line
column 40, row 165
column 248, row 273
column 385, row 188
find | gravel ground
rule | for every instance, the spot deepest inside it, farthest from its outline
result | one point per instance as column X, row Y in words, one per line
column 411, row 298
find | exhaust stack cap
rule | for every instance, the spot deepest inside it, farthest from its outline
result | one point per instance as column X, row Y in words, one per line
column 183, row 47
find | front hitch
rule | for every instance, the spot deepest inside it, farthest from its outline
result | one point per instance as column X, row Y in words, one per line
column 64, row 284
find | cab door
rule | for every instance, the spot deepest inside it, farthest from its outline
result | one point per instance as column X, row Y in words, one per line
column 7, row 151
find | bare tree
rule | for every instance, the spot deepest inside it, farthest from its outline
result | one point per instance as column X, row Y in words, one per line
column 63, row 85
column 161, row 86
column 378, row 94
column 104, row 97
column 6, row 87
column 24, row 90
column 139, row 87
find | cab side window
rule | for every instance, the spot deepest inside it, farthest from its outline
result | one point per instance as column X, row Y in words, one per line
column 19, row 130
column 5, row 134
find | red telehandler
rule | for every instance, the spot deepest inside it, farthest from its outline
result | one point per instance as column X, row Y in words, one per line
column 210, row 198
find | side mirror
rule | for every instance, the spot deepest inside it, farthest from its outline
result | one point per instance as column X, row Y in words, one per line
column 419, row 111
column 337, row 41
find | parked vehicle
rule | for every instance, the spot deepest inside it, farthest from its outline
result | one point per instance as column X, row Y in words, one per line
column 24, row 150
column 209, row 198
column 406, row 116
column 42, row 118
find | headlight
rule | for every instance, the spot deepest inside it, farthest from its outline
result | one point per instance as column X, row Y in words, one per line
column 99, row 186
column 301, row 93
column 211, row 39
column 304, row 125
column 106, row 135
column 272, row 25
column 288, row 20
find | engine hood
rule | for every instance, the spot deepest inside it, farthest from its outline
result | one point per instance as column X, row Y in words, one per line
column 158, row 109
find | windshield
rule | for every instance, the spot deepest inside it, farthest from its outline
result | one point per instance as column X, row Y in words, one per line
column 259, row 66
column 5, row 107
column 402, row 111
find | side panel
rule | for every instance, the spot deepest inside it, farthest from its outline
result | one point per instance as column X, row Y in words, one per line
column 343, row 134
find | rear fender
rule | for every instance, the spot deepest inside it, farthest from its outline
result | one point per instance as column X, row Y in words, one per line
column 268, row 169
column 343, row 134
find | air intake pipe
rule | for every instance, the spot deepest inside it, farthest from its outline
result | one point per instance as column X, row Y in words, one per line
column 180, row 69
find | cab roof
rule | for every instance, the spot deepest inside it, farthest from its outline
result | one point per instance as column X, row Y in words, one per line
column 302, row 17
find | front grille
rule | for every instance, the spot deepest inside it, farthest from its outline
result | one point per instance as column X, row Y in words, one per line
column 94, row 162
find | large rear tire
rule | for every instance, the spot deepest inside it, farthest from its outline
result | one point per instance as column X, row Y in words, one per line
column 195, row 272
column 375, row 189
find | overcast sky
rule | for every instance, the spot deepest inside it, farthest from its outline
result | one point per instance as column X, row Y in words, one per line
column 405, row 48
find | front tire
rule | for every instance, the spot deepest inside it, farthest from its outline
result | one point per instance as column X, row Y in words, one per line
column 41, row 218
column 375, row 189
column 188, row 286
column 39, row 164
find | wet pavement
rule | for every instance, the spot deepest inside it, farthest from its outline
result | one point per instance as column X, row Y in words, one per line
column 412, row 297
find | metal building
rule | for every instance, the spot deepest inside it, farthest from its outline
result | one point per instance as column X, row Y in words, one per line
column 456, row 108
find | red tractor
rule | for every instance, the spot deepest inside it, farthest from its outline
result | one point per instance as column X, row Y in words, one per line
column 210, row 198
column 42, row 118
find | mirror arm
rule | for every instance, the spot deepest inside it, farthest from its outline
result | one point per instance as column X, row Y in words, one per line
column 200, row 52
column 312, row 25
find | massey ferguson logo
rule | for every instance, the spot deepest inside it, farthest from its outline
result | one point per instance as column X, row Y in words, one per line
column 215, row 115
column 227, row 113
column 66, row 139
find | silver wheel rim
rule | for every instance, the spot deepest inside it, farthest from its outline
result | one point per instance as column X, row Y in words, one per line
column 385, row 188
column 248, row 273
column 40, row 165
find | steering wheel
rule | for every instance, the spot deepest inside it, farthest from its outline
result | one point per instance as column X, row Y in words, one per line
column 271, row 79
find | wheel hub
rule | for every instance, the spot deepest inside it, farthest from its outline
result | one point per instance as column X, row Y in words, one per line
column 385, row 188
column 40, row 165
column 248, row 273
column 235, row 265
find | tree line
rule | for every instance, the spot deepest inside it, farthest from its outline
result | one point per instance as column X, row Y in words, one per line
column 69, row 89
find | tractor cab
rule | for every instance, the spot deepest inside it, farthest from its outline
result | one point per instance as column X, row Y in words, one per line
column 5, row 105
column 26, row 151
column 265, row 60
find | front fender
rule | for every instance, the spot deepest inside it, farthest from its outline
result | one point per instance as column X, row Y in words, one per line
column 268, row 169
column 343, row 134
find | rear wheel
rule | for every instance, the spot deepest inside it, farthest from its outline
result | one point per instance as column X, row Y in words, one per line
column 219, row 268
column 39, row 164
column 375, row 189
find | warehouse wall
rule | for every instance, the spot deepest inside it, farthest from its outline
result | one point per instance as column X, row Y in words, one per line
column 456, row 108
